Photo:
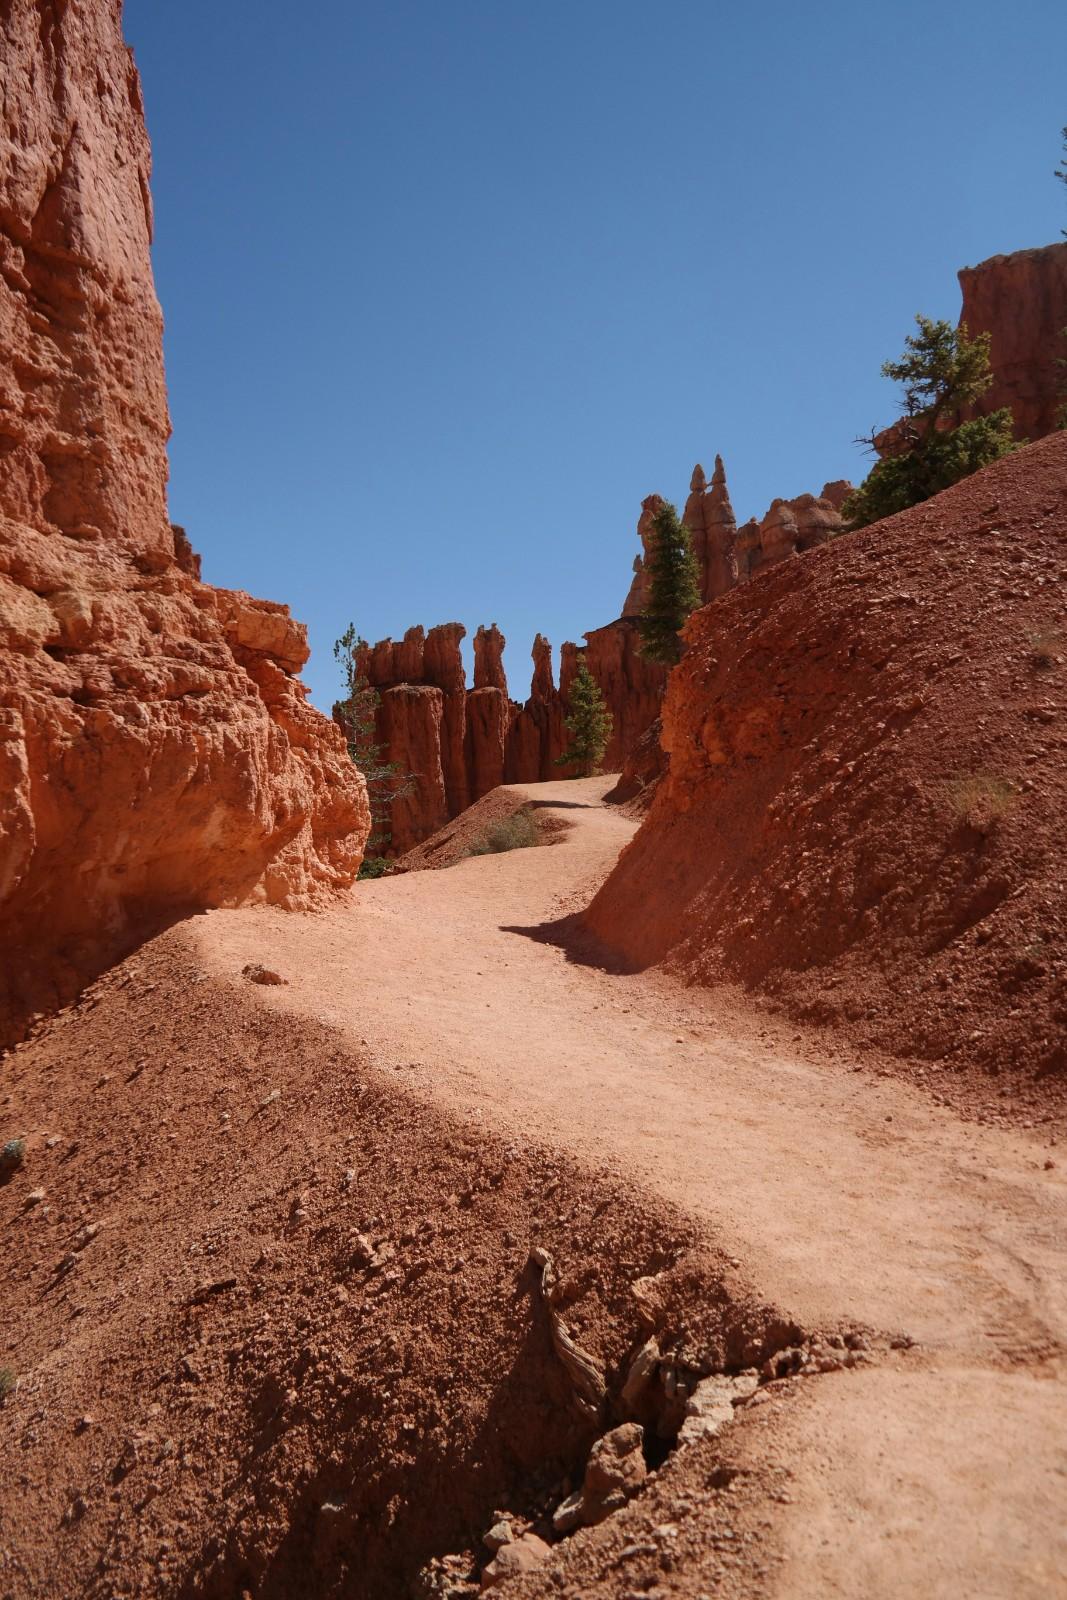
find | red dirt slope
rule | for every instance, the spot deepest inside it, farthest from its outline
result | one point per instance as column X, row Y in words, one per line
column 865, row 809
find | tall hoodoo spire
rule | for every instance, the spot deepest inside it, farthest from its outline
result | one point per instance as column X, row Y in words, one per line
column 712, row 527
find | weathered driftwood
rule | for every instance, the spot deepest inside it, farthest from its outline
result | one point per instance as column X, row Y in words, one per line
column 586, row 1374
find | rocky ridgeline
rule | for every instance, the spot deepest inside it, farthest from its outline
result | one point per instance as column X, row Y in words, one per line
column 863, row 814
column 460, row 742
column 157, row 752
column 727, row 555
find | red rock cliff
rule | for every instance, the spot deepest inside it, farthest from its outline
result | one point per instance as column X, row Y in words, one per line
column 157, row 753
column 1021, row 302
column 727, row 555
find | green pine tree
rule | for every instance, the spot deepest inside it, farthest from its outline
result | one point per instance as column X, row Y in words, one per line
column 589, row 724
column 943, row 372
column 673, row 592
column 356, row 714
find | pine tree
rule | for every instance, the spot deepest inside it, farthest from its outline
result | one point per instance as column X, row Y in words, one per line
column 673, row 592
column 356, row 713
column 589, row 724
column 943, row 372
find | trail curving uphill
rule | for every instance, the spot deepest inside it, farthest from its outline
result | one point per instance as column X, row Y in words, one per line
column 837, row 1192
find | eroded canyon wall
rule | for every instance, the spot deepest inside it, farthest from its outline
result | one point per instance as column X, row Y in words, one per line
column 157, row 752
column 458, row 742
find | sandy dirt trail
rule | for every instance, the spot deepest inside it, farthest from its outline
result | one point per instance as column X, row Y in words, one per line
column 842, row 1195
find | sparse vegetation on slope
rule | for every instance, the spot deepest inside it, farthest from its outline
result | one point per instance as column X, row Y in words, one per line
column 518, row 832
column 943, row 371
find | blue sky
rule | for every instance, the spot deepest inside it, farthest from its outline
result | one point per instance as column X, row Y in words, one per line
column 451, row 285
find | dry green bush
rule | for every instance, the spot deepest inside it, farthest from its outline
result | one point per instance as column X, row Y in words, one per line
column 980, row 799
column 518, row 832
column 1045, row 648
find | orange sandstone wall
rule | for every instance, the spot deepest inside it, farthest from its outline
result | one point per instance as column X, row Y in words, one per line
column 157, row 752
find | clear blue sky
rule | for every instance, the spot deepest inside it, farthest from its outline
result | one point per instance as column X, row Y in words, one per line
column 451, row 285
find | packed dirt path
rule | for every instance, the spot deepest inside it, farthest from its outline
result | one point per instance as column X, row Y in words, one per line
column 943, row 1230
column 841, row 1194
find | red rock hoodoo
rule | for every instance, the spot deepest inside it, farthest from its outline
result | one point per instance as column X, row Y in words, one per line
column 727, row 555
column 157, row 751
column 485, row 739
column 863, row 814
column 459, row 743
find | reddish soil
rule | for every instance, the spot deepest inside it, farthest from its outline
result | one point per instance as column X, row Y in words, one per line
column 222, row 1390
column 864, row 816
column 282, row 1260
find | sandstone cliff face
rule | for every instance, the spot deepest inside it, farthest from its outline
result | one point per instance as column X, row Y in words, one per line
column 863, row 813
column 157, row 752
column 1020, row 300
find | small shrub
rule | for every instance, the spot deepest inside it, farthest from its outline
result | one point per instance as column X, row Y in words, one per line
column 514, row 833
column 1045, row 648
column 980, row 799
column 375, row 867
column 12, row 1156
column 8, row 1382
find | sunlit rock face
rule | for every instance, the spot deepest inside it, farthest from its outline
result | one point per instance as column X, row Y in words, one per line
column 1021, row 302
column 157, row 752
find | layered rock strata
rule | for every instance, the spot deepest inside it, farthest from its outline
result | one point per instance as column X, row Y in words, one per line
column 157, row 751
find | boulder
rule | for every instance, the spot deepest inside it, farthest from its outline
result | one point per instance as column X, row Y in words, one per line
column 512, row 1560
column 614, row 1473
